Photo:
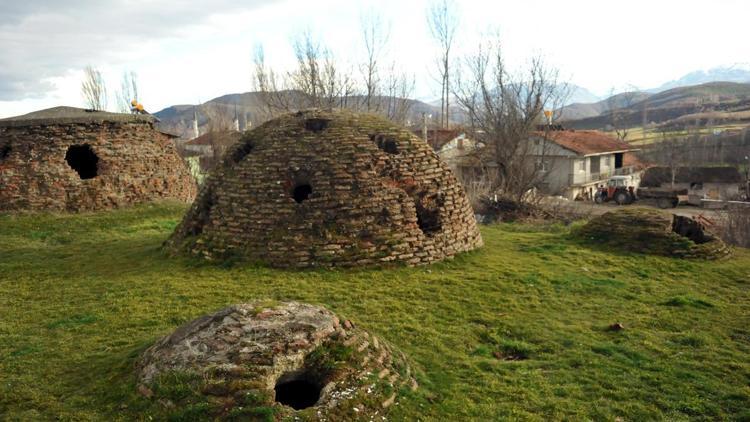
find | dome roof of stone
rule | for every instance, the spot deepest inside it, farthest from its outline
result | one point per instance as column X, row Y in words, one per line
column 653, row 232
column 292, row 360
column 68, row 115
column 322, row 188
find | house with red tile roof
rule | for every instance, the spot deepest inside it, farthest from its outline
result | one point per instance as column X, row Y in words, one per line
column 577, row 161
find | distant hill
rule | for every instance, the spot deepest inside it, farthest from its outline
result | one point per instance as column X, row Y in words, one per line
column 249, row 107
column 578, row 111
column 579, row 94
column 729, row 99
column 739, row 72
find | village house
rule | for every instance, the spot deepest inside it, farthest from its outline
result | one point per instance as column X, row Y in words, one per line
column 572, row 163
column 576, row 162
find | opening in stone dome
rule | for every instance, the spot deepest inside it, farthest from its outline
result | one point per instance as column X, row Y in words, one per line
column 316, row 125
column 687, row 227
column 428, row 220
column 4, row 151
column 298, row 390
column 301, row 192
column 242, row 151
column 83, row 160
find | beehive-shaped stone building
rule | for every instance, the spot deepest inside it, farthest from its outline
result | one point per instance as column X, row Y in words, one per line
column 70, row 159
column 321, row 188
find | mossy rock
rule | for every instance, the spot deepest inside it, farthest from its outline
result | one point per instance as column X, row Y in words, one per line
column 654, row 232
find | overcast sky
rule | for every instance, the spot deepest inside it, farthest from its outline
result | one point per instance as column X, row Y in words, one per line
column 191, row 51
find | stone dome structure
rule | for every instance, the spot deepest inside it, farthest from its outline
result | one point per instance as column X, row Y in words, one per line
column 322, row 188
column 655, row 232
column 282, row 361
column 70, row 159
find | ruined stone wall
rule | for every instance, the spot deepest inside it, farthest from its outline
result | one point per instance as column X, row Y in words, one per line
column 378, row 194
column 134, row 164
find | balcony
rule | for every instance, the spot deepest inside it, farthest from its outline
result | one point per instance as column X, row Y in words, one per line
column 584, row 178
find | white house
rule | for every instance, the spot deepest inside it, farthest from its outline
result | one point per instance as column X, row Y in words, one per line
column 576, row 162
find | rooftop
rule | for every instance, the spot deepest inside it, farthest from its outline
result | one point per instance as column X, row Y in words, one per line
column 587, row 142
column 68, row 115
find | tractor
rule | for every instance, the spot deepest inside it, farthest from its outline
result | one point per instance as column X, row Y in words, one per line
column 618, row 189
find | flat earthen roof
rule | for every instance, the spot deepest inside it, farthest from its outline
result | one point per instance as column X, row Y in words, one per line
column 69, row 115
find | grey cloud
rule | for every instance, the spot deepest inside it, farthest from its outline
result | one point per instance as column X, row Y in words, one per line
column 46, row 38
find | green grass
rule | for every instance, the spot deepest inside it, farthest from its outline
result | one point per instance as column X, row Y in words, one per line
column 637, row 136
column 517, row 330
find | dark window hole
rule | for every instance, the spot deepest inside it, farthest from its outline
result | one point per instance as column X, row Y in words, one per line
column 428, row 220
column 83, row 160
column 301, row 192
column 387, row 145
column 297, row 390
column 693, row 230
column 4, row 151
column 316, row 125
column 242, row 151
column 202, row 212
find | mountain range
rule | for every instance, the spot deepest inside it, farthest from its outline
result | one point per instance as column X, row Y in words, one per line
column 714, row 101
column 720, row 89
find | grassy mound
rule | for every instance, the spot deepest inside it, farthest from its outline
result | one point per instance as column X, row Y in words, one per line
column 516, row 330
column 650, row 231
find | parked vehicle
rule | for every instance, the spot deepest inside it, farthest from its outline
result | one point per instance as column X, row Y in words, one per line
column 619, row 189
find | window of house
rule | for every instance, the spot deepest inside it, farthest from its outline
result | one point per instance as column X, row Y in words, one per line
column 581, row 165
column 606, row 160
column 542, row 165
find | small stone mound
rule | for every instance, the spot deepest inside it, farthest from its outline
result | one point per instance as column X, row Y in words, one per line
column 653, row 232
column 250, row 361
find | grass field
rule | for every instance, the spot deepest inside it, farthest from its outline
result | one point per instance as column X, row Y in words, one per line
column 639, row 137
column 82, row 296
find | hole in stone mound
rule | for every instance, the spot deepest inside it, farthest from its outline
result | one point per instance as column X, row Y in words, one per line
column 301, row 192
column 693, row 230
column 242, row 151
column 428, row 219
column 202, row 213
column 297, row 390
column 83, row 160
column 4, row 151
column 388, row 145
column 316, row 125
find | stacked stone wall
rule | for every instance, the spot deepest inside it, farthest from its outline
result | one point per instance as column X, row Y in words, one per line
column 135, row 164
column 378, row 194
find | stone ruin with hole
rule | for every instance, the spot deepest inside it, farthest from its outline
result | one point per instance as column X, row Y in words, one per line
column 655, row 232
column 279, row 361
column 329, row 188
column 70, row 159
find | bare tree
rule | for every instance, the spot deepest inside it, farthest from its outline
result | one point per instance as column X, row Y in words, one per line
column 317, row 80
column 619, row 109
column 442, row 19
column 128, row 91
column 375, row 38
column 93, row 89
column 399, row 88
column 503, row 110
